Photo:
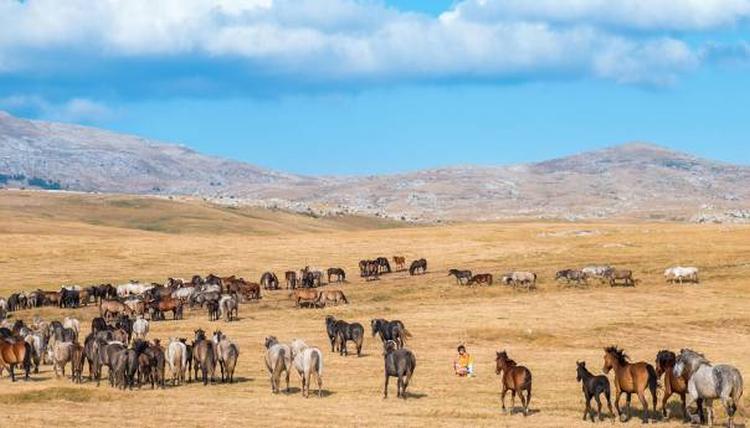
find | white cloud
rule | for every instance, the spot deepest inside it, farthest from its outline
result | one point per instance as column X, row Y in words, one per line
column 659, row 15
column 81, row 110
column 347, row 40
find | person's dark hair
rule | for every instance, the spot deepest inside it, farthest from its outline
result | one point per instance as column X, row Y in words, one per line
column 460, row 347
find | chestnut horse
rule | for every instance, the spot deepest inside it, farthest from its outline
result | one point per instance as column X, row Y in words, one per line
column 665, row 362
column 514, row 378
column 630, row 378
column 14, row 352
column 400, row 262
column 482, row 278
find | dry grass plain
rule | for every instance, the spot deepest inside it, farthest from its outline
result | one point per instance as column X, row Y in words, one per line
column 46, row 240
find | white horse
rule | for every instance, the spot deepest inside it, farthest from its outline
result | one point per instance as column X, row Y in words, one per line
column 183, row 293
column 228, row 307
column 308, row 360
column 227, row 352
column 709, row 382
column 176, row 356
column 140, row 327
column 681, row 274
column 72, row 323
column 278, row 360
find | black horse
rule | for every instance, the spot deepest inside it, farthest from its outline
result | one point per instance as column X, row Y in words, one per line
column 418, row 267
column 461, row 275
column 269, row 281
column 399, row 363
column 336, row 273
column 383, row 265
column 340, row 332
column 593, row 386
column 390, row 330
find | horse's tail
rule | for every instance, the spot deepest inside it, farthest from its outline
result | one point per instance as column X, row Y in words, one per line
column 317, row 361
column 27, row 357
column 406, row 332
column 653, row 382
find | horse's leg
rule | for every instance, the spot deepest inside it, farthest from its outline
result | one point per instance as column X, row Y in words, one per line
column 644, row 404
column 618, row 394
column 512, row 400
column 385, row 389
column 628, row 397
column 12, row 372
column 709, row 412
column 502, row 398
column 287, row 380
column 599, row 408
column 319, row 380
column 399, row 386
column 586, row 409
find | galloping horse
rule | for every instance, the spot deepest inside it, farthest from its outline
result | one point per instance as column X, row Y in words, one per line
column 665, row 362
column 630, row 378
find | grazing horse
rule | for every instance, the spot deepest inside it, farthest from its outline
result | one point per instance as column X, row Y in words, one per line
column 269, row 281
column 204, row 357
column 593, row 386
column 630, row 378
column 461, row 275
column 291, row 279
column 227, row 352
column 520, row 279
column 336, row 273
column 399, row 363
column 176, row 356
column 278, row 360
column 340, row 332
column 333, row 296
column 111, row 308
column 515, row 378
column 140, row 328
column 665, row 362
column 390, row 330
column 709, row 382
column 571, row 276
column 13, row 352
column 418, row 267
column 624, row 275
column 400, row 262
column 308, row 360
column 482, row 278
column 383, row 265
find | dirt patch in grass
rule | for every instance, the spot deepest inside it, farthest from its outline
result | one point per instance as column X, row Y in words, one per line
column 75, row 395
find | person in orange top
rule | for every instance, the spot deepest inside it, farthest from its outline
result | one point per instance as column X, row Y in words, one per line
column 464, row 363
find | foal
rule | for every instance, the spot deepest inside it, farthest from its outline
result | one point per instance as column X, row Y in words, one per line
column 514, row 378
column 630, row 378
column 593, row 386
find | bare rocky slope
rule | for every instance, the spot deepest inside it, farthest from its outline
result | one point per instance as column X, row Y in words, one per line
column 632, row 180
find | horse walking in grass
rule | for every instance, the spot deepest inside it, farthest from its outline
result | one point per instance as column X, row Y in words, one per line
column 593, row 386
column 12, row 353
column 708, row 382
column 399, row 363
column 515, row 378
column 665, row 362
column 630, row 378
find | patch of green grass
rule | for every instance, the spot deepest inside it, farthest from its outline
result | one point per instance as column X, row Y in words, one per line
column 75, row 395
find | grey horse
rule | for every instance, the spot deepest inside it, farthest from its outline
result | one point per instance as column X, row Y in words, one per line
column 308, row 360
column 709, row 382
column 278, row 360
column 399, row 363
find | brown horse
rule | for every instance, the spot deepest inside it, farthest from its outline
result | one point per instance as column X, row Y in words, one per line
column 630, row 378
column 111, row 308
column 482, row 278
column 291, row 279
column 307, row 296
column 665, row 362
column 334, row 296
column 626, row 276
column 14, row 352
column 514, row 378
column 400, row 262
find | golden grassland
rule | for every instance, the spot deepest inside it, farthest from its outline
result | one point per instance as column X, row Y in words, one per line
column 47, row 240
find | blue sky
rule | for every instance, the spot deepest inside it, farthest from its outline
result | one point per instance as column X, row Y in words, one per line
column 361, row 87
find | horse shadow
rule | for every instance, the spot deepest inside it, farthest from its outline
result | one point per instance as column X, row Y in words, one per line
column 415, row 395
column 519, row 409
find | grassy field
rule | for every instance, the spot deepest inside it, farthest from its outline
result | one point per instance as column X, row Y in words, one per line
column 48, row 240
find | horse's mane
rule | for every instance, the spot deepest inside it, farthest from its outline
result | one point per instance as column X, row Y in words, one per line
column 620, row 354
column 696, row 355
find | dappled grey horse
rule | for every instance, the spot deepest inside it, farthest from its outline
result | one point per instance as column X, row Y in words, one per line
column 278, row 360
column 709, row 382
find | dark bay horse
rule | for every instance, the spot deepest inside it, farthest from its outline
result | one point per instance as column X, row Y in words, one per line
column 461, row 275
column 593, row 386
column 630, row 378
column 390, row 330
column 418, row 267
column 515, row 378
column 482, row 278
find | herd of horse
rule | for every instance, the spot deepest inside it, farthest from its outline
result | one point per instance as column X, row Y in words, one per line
column 118, row 340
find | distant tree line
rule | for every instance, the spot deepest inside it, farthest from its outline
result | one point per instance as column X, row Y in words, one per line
column 31, row 181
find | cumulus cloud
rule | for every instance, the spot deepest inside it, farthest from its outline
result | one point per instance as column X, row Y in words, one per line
column 175, row 45
column 79, row 110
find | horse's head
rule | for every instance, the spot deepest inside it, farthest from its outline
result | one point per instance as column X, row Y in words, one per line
column 375, row 325
column 200, row 334
column 270, row 341
column 688, row 362
column 501, row 360
column 389, row 346
column 613, row 357
column 665, row 360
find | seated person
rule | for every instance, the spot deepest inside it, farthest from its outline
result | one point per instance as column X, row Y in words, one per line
column 464, row 363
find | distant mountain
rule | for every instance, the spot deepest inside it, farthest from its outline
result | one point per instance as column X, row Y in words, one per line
column 633, row 180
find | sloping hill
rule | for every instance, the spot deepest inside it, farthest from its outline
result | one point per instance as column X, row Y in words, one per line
column 632, row 180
